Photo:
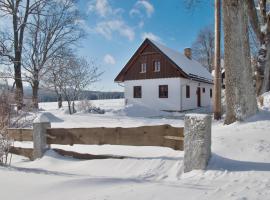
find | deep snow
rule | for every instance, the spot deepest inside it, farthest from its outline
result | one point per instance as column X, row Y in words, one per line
column 239, row 167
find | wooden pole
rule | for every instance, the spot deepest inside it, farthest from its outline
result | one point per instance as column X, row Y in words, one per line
column 217, row 80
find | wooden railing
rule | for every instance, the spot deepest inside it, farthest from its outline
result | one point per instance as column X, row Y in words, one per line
column 160, row 135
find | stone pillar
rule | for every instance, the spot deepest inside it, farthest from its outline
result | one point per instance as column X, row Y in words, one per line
column 40, row 124
column 197, row 141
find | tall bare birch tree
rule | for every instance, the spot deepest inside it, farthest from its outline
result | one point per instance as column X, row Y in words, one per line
column 53, row 27
column 240, row 93
column 19, row 11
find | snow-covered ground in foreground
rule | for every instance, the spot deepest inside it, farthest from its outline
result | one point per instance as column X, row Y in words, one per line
column 239, row 168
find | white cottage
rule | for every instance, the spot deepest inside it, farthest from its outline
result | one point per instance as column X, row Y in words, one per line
column 161, row 78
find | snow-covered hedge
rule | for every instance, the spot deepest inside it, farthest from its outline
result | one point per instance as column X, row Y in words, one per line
column 5, row 145
column 85, row 106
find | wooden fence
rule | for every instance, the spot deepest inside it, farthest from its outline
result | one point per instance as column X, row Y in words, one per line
column 161, row 135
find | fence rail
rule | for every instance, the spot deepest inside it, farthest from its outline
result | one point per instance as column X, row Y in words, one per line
column 197, row 140
column 161, row 135
column 20, row 134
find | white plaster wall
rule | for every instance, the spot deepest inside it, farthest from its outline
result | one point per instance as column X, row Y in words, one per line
column 150, row 93
column 176, row 96
column 191, row 103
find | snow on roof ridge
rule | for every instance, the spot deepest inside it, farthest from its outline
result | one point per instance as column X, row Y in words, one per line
column 190, row 67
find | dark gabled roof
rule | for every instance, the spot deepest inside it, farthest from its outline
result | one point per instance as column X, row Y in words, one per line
column 190, row 68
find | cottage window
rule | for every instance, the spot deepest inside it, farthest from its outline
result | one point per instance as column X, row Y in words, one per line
column 163, row 91
column 157, row 66
column 143, row 67
column 187, row 91
column 137, row 92
column 211, row 93
column 203, row 90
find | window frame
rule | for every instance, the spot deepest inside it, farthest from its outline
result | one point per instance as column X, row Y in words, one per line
column 163, row 94
column 137, row 94
column 143, row 67
column 157, row 66
column 187, row 91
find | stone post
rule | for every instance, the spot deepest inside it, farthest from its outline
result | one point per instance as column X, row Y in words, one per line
column 197, row 141
column 40, row 124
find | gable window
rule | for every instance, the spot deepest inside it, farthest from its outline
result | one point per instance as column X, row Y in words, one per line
column 211, row 93
column 143, row 68
column 163, row 91
column 203, row 90
column 187, row 91
column 157, row 66
column 137, row 92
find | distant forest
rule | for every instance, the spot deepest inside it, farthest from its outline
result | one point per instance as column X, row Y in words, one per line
column 50, row 96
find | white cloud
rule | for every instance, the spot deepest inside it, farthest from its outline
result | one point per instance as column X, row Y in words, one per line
column 109, row 59
column 151, row 36
column 111, row 20
column 103, row 9
column 142, row 4
column 107, row 28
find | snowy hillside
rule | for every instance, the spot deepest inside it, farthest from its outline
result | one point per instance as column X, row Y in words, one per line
column 239, row 167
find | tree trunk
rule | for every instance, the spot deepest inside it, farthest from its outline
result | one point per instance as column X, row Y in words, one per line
column 217, row 80
column 69, row 107
column 73, row 107
column 266, row 83
column 240, row 93
column 19, row 85
column 35, row 87
column 60, row 101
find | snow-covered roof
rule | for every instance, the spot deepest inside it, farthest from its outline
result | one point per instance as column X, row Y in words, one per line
column 190, row 67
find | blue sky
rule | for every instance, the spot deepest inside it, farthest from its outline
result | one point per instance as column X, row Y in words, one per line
column 116, row 28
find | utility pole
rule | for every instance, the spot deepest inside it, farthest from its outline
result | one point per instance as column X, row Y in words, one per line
column 217, row 80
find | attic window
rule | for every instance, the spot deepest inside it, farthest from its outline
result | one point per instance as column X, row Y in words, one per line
column 157, row 66
column 143, row 68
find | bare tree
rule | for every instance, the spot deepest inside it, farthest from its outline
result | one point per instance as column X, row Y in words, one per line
column 78, row 75
column 55, row 78
column 240, row 93
column 70, row 76
column 203, row 48
column 260, row 22
column 12, row 48
column 53, row 28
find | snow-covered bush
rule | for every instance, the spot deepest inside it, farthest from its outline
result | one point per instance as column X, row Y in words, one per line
column 5, row 145
column 85, row 106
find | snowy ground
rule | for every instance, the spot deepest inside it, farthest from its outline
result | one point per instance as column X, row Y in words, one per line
column 239, row 167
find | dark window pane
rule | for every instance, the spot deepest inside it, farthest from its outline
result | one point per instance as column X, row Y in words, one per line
column 211, row 93
column 163, row 91
column 187, row 91
column 137, row 92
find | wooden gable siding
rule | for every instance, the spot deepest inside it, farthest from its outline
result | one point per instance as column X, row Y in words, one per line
column 148, row 54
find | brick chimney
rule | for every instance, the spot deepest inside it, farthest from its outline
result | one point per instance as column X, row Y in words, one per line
column 188, row 53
